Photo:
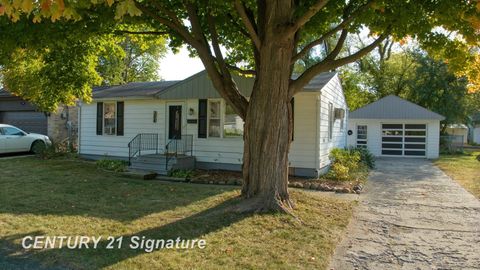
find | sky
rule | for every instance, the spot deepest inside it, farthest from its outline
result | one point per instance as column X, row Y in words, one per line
column 179, row 66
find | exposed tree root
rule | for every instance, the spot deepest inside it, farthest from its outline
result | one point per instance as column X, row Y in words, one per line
column 260, row 205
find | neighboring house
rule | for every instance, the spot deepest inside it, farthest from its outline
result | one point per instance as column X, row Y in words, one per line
column 139, row 120
column 458, row 130
column 475, row 128
column 24, row 115
column 392, row 126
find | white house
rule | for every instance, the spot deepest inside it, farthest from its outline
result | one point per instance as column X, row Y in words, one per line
column 395, row 127
column 191, row 122
column 474, row 128
column 460, row 131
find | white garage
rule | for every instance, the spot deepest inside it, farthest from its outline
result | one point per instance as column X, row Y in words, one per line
column 395, row 127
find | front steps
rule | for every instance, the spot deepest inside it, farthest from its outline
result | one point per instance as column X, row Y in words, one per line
column 157, row 163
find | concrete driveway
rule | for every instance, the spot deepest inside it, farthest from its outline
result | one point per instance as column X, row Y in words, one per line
column 412, row 216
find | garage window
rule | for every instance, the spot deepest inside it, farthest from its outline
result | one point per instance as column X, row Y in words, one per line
column 404, row 139
column 362, row 136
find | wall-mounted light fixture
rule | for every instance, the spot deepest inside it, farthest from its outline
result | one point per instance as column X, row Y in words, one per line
column 155, row 116
column 191, row 111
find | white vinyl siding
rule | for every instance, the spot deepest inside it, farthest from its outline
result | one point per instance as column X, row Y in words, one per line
column 476, row 135
column 139, row 119
column 331, row 93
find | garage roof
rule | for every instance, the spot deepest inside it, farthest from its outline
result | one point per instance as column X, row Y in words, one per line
column 393, row 107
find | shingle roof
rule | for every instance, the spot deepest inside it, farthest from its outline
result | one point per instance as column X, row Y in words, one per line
column 393, row 107
column 150, row 89
column 5, row 93
column 135, row 89
column 318, row 82
column 476, row 117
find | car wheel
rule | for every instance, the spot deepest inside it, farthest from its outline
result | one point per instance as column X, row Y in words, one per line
column 37, row 147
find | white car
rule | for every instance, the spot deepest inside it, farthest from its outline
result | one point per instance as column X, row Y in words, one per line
column 13, row 139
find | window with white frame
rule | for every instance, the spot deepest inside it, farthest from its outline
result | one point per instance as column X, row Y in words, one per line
column 232, row 123
column 214, row 118
column 109, row 118
column 362, row 136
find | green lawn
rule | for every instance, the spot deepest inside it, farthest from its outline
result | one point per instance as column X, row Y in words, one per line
column 464, row 168
column 62, row 197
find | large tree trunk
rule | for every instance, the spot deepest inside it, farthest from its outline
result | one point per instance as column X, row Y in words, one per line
column 267, row 134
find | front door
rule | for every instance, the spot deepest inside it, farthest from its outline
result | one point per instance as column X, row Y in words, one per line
column 175, row 122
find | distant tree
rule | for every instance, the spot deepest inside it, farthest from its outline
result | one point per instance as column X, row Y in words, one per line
column 437, row 88
column 412, row 75
column 50, row 63
column 137, row 59
column 355, row 89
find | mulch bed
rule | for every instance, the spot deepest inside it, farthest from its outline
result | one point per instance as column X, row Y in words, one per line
column 217, row 177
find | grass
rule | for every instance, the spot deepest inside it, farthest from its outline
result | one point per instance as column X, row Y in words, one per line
column 464, row 169
column 61, row 197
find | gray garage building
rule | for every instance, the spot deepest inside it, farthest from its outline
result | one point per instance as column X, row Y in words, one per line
column 17, row 112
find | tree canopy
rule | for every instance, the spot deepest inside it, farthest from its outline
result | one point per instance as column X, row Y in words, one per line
column 50, row 63
column 415, row 76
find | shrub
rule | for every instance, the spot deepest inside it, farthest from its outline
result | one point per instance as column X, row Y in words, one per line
column 112, row 165
column 366, row 157
column 344, row 164
column 57, row 150
column 340, row 172
column 181, row 173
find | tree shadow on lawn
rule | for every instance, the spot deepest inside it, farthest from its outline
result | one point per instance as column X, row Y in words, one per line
column 72, row 188
column 192, row 227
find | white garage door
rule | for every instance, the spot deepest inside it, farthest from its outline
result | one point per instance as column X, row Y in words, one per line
column 407, row 140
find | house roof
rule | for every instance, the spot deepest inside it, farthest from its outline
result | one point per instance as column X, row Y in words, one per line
column 197, row 85
column 476, row 117
column 318, row 82
column 457, row 126
column 4, row 93
column 393, row 107
column 135, row 89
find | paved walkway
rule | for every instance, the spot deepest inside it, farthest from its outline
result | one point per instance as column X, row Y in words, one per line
column 412, row 216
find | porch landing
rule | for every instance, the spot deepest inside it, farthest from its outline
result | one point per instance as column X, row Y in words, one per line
column 158, row 163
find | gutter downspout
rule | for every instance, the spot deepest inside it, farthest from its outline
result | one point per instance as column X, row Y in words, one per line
column 318, row 120
column 79, row 126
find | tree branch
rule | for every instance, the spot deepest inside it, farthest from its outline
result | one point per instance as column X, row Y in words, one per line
column 172, row 23
column 302, row 20
column 242, row 71
column 339, row 46
column 158, row 33
column 198, row 41
column 323, row 66
column 249, row 24
column 216, row 46
column 332, row 31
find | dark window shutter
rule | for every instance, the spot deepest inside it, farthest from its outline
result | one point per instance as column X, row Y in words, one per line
column 202, row 118
column 120, row 110
column 293, row 116
column 99, row 118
